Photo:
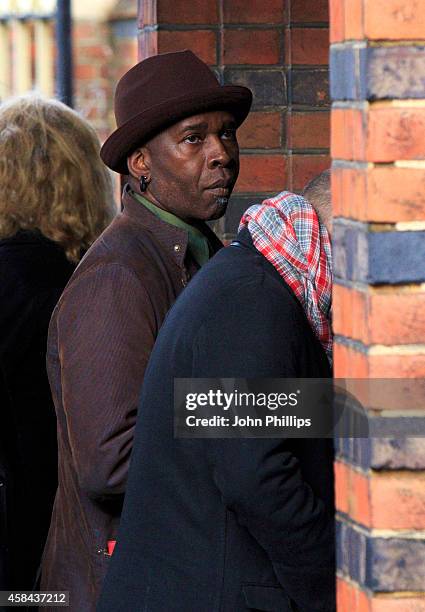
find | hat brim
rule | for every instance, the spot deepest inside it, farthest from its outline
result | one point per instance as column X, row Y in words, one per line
column 139, row 129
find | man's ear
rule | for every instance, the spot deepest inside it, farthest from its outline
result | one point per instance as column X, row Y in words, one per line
column 139, row 163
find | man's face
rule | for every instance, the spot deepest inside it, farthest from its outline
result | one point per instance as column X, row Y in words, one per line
column 193, row 165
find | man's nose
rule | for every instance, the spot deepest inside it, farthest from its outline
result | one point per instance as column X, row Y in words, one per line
column 218, row 154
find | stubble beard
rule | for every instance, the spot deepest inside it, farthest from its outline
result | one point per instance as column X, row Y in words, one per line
column 220, row 208
column 222, row 202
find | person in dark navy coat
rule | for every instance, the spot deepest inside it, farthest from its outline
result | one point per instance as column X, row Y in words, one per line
column 229, row 525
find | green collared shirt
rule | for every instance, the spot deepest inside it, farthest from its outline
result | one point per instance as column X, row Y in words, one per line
column 198, row 243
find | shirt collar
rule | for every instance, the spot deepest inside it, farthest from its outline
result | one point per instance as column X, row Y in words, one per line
column 198, row 243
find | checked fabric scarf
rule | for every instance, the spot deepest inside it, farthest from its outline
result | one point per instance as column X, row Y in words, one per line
column 287, row 231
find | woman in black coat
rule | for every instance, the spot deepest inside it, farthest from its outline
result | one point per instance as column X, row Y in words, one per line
column 55, row 199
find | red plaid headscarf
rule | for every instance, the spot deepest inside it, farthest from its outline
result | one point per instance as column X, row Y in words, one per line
column 287, row 231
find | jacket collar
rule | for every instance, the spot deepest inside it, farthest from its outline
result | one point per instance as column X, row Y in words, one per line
column 244, row 237
column 173, row 239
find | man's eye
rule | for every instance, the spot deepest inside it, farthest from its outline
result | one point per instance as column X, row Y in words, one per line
column 229, row 134
column 193, row 139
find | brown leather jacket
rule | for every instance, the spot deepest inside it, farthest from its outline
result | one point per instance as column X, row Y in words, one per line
column 100, row 338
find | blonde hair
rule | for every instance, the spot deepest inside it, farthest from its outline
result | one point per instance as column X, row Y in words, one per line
column 51, row 175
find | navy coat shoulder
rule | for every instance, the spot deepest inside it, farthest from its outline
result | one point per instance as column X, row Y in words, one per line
column 226, row 525
column 33, row 272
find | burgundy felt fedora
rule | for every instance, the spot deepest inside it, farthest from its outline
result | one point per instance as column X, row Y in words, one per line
column 160, row 91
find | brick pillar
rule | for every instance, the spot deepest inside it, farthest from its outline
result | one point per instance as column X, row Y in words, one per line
column 378, row 184
column 279, row 50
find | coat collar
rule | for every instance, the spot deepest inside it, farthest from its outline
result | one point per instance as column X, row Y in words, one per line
column 244, row 237
column 173, row 239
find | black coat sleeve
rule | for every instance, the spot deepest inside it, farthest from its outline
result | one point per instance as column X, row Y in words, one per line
column 260, row 479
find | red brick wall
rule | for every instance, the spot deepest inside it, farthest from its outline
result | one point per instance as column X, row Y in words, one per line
column 103, row 52
column 307, row 49
column 378, row 130
column 93, row 88
column 278, row 49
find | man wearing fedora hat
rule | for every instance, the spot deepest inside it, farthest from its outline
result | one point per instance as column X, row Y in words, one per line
column 176, row 142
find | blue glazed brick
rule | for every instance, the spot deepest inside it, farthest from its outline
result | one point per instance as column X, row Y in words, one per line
column 362, row 452
column 398, row 453
column 350, row 252
column 339, row 446
column 348, row 64
column 398, row 426
column 342, row 73
column 395, row 72
column 362, row 89
column 358, row 72
column 396, row 257
column 339, row 527
column 351, row 547
column 379, row 564
column 356, row 548
column 338, row 73
column 344, row 448
column 356, row 451
column 348, row 444
column 377, row 257
column 395, row 564
column 343, row 548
